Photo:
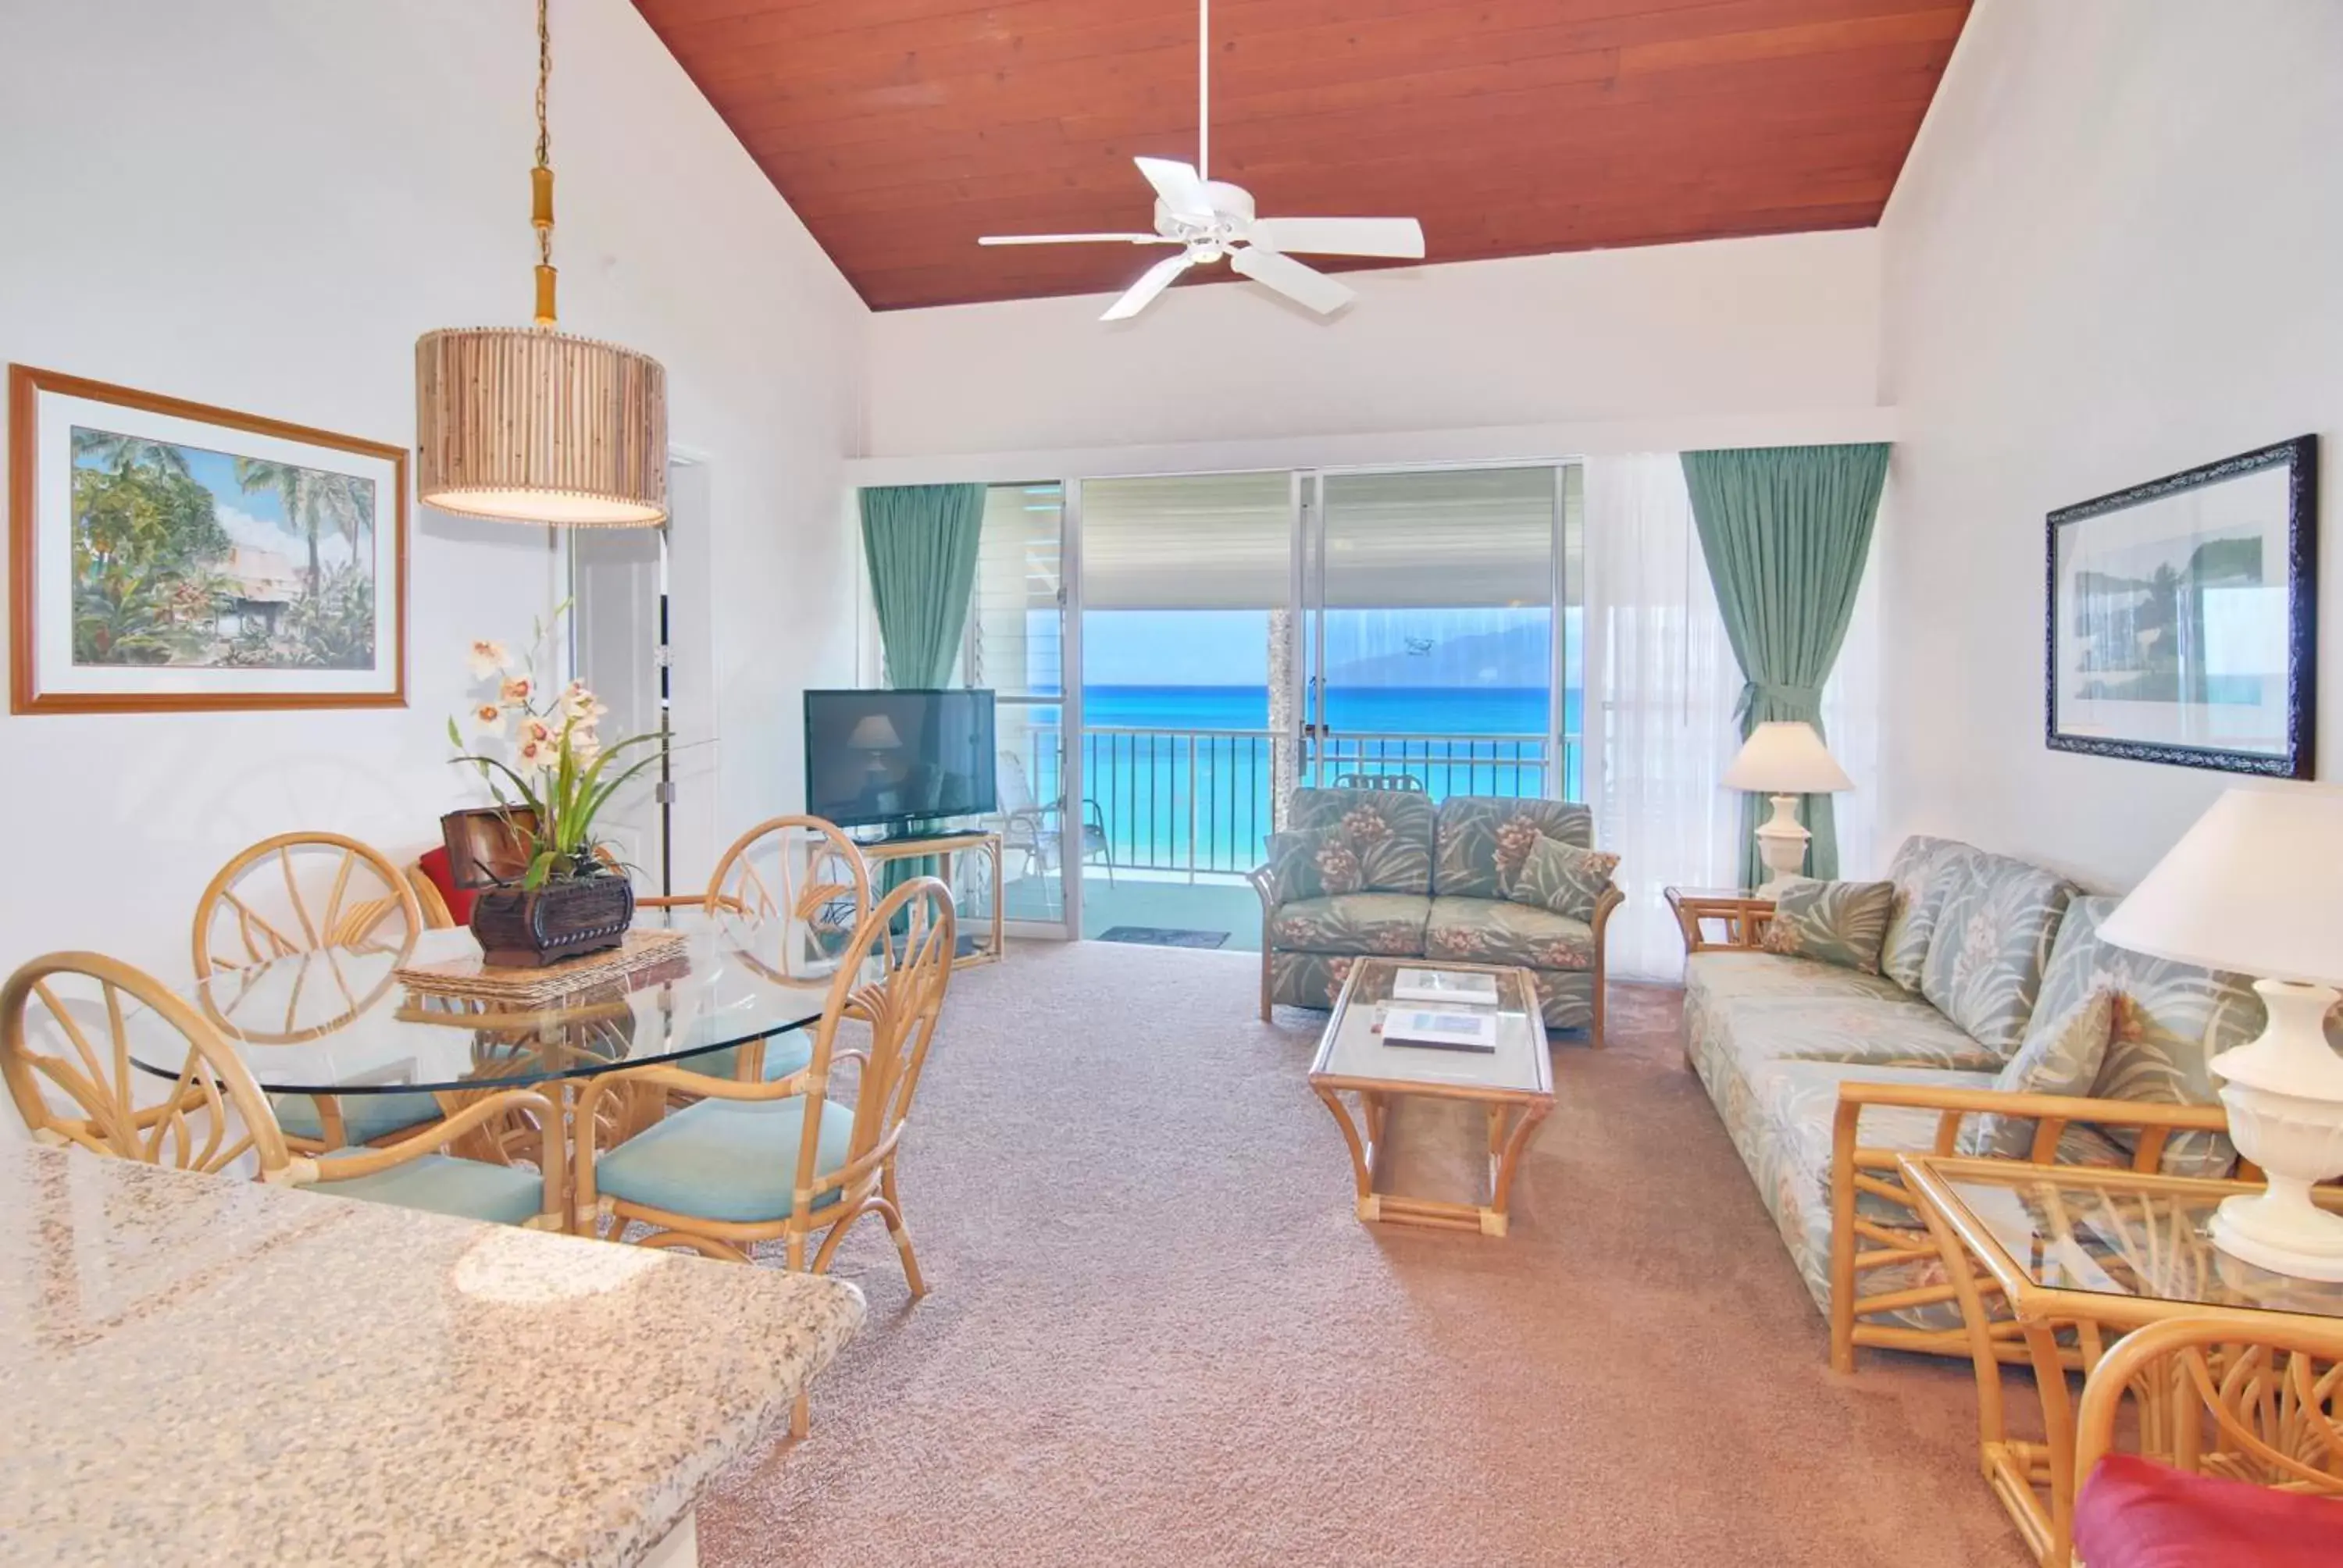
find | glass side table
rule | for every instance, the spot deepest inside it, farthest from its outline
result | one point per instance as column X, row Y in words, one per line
column 1740, row 915
column 2086, row 1255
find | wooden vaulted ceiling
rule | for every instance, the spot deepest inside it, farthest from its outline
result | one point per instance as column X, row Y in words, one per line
column 900, row 130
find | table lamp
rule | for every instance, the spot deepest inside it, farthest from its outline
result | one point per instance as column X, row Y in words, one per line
column 2257, row 887
column 1785, row 760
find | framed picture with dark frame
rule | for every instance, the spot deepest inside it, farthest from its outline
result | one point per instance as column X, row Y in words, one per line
column 2182, row 617
column 169, row 556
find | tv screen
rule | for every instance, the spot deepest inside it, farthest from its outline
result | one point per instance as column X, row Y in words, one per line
column 893, row 757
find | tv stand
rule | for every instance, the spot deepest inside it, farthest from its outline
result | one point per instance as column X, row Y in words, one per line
column 982, row 946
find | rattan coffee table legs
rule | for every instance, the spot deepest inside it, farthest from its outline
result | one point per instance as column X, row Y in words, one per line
column 1511, row 1127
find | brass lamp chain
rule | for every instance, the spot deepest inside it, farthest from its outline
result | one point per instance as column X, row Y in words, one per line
column 541, row 176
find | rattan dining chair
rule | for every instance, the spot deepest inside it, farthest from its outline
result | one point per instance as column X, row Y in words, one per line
column 304, row 892
column 2253, row 1397
column 791, row 1160
column 64, row 1033
column 807, row 880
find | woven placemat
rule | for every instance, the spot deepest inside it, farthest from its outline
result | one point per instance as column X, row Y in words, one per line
column 471, row 977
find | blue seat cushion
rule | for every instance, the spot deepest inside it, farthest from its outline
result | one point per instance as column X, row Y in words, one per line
column 442, row 1184
column 784, row 1054
column 365, row 1117
column 726, row 1160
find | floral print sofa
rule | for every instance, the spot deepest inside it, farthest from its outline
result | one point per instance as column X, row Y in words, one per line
column 1824, row 1074
column 1432, row 879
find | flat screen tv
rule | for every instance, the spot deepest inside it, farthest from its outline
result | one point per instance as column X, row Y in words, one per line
column 896, row 758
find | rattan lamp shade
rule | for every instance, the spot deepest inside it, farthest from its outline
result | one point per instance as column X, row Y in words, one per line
column 528, row 426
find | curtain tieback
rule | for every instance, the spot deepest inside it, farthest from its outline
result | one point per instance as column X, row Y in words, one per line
column 1785, row 701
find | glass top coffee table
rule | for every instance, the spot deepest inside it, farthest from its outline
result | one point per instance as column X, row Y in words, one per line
column 2082, row 1256
column 1514, row 1082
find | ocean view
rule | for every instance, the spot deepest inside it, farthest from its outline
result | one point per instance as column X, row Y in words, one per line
column 1181, row 775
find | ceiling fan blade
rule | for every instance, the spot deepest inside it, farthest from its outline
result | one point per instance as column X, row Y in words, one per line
column 1341, row 235
column 1075, row 240
column 1303, row 284
column 1180, row 185
column 1151, row 282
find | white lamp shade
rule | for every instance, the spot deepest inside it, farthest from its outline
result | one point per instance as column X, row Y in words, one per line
column 1786, row 758
column 2256, row 887
column 874, row 732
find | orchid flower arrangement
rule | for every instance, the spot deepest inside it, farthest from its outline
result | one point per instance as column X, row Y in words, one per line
column 555, row 765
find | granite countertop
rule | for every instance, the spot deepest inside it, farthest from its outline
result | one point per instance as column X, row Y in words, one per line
column 206, row 1371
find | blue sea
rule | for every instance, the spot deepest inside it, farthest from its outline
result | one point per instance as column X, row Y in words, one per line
column 1180, row 777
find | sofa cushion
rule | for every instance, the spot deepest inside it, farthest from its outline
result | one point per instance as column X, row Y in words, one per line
column 1835, row 922
column 1991, row 943
column 1902, row 1033
column 1733, row 976
column 1484, row 839
column 1313, row 863
column 2064, row 1047
column 1389, row 923
column 1920, row 895
column 2169, row 1020
column 1799, row 1101
column 1495, row 932
column 1389, row 830
column 1563, row 877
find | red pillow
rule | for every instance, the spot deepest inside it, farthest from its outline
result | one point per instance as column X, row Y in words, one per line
column 434, row 862
column 2136, row 1514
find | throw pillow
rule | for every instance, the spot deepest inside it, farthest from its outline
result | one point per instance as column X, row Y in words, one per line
column 2061, row 1055
column 1564, row 877
column 1841, row 923
column 1313, row 863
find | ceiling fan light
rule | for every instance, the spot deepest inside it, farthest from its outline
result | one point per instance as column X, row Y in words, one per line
column 523, row 425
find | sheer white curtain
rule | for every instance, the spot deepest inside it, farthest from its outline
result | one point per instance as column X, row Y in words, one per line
column 1661, row 683
column 1851, row 727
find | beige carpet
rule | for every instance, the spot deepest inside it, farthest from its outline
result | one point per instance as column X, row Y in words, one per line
column 1156, row 1335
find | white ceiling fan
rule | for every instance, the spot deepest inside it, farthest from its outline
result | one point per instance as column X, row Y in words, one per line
column 1208, row 219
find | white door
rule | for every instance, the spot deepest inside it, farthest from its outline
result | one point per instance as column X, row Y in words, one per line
column 618, row 585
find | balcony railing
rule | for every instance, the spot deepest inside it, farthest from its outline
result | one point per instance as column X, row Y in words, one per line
column 1200, row 800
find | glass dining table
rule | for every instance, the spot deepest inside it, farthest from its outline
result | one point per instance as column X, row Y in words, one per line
column 339, row 1023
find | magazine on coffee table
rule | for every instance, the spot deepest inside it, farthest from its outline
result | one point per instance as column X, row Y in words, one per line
column 1439, row 1028
column 1446, row 987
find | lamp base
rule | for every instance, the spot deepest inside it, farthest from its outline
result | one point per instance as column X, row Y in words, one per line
column 2284, row 1093
column 2265, row 1230
column 1781, row 845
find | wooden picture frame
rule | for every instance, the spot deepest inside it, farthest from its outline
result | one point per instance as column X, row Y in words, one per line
column 168, row 556
column 2181, row 618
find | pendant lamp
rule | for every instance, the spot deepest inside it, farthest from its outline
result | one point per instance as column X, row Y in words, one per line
column 529, row 425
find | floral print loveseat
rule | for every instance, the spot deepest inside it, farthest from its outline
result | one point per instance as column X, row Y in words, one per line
column 1432, row 879
column 1824, row 1074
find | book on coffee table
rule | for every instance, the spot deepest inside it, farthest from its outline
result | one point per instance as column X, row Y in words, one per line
column 1441, row 1028
column 1446, row 987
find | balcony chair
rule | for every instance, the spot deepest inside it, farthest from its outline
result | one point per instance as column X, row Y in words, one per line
column 215, row 1114
column 1033, row 827
column 1406, row 783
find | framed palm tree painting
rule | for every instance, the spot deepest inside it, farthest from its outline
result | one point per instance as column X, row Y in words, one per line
column 167, row 555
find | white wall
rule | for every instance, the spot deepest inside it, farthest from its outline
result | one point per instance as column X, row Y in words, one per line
column 2112, row 256
column 259, row 204
column 1729, row 328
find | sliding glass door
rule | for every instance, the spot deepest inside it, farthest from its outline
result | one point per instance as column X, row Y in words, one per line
column 1016, row 646
column 1173, row 654
column 1440, row 631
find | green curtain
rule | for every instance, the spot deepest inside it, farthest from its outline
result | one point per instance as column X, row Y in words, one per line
column 1786, row 531
column 920, row 542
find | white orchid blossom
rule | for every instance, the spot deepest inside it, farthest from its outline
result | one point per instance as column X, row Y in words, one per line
column 489, row 658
